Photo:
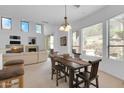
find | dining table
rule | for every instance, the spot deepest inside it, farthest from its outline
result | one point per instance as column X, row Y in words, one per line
column 72, row 64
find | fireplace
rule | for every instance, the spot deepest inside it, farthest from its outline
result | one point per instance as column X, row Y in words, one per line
column 31, row 48
column 14, row 48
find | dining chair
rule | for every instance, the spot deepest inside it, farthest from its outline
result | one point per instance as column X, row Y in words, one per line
column 57, row 69
column 86, row 78
column 77, row 55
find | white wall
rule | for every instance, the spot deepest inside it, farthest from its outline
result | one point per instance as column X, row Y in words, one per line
column 57, row 35
column 4, row 34
column 99, row 16
column 112, row 67
column 49, row 29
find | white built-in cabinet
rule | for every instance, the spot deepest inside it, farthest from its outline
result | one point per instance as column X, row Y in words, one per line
column 28, row 57
column 42, row 56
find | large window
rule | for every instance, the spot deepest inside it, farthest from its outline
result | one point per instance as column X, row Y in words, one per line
column 116, row 37
column 24, row 26
column 6, row 23
column 38, row 28
column 92, row 40
column 75, row 44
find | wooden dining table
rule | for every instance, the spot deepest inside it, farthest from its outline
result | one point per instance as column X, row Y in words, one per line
column 72, row 64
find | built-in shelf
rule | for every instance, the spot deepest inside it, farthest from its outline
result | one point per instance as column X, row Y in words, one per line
column 31, row 40
column 14, row 39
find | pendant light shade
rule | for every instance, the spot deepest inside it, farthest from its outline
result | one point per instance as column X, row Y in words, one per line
column 65, row 27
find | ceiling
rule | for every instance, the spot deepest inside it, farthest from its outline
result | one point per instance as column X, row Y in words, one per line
column 53, row 14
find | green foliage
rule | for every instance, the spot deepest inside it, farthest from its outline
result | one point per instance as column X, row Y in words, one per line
column 119, row 33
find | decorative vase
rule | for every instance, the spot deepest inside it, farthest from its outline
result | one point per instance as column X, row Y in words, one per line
column 33, row 41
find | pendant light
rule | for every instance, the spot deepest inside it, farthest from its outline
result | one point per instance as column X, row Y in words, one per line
column 65, row 27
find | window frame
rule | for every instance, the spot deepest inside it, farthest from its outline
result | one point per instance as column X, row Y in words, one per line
column 41, row 28
column 111, row 45
column 51, row 43
column 78, row 42
column 2, row 24
column 82, row 40
column 21, row 26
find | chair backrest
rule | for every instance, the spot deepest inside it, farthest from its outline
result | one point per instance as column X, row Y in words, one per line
column 77, row 55
column 73, row 51
column 52, row 61
column 94, row 68
column 51, row 51
column 52, row 56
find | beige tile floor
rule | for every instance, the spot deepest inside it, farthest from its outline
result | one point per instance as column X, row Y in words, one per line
column 39, row 76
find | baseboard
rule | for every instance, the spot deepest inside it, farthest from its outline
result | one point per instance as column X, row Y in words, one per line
column 33, row 63
column 112, row 76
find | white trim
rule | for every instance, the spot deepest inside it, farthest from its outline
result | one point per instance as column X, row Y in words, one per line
column 1, row 61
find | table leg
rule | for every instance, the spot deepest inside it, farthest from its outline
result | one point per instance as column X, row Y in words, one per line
column 71, row 78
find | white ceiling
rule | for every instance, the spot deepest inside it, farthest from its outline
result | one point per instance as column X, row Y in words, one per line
column 53, row 14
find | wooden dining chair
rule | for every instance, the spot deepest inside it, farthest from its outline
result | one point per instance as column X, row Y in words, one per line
column 77, row 55
column 87, row 77
column 57, row 69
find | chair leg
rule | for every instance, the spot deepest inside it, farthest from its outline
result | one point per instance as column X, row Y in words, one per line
column 59, row 73
column 67, row 70
column 21, row 82
column 52, row 73
column 76, row 82
column 78, row 70
column 65, row 75
column 97, row 83
column 56, row 77
column 86, row 83
column 65, row 79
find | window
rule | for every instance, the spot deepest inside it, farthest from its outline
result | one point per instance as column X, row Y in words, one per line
column 75, row 44
column 50, row 42
column 92, row 40
column 116, row 37
column 38, row 28
column 6, row 23
column 24, row 26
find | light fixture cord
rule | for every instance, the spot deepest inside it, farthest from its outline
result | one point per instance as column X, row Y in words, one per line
column 65, row 10
column 65, row 17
